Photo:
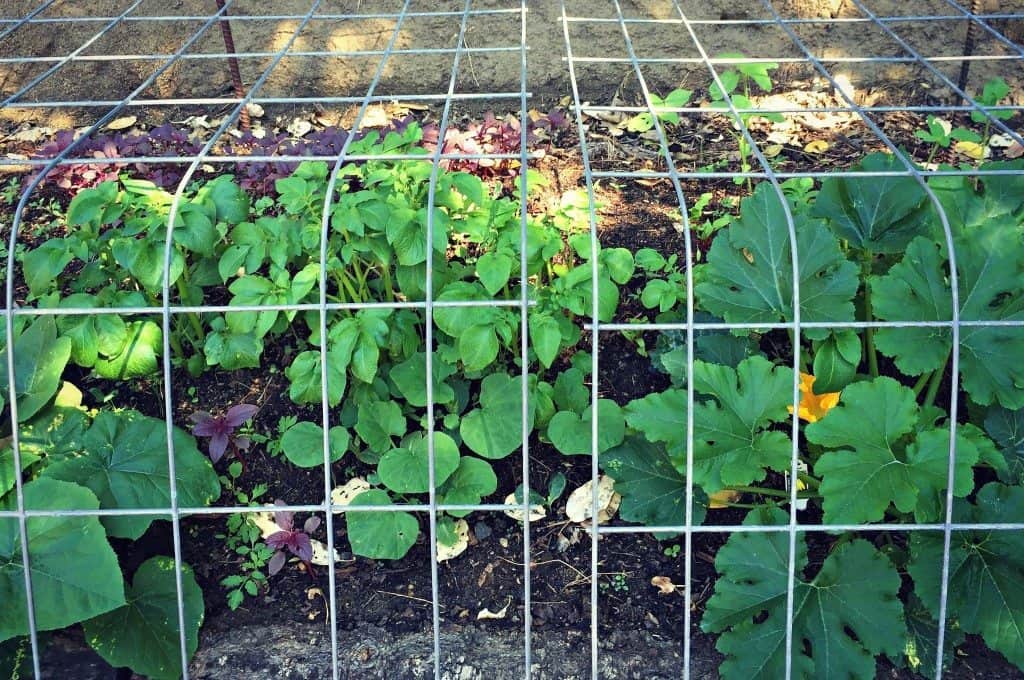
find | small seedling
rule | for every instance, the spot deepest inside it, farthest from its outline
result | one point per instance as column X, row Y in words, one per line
column 291, row 540
column 672, row 551
column 220, row 430
column 644, row 121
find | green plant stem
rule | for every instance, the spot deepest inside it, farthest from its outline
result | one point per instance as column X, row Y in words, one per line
column 193, row 319
column 922, row 380
column 175, row 343
column 933, row 386
column 777, row 493
column 869, row 315
column 388, row 285
column 748, row 506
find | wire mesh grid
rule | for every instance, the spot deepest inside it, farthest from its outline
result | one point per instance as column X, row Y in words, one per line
column 680, row 24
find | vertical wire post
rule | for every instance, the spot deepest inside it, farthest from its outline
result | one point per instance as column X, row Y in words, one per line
column 524, row 340
column 435, row 613
column 325, row 414
column 172, row 216
column 673, row 175
column 8, row 313
column 770, row 175
column 914, row 172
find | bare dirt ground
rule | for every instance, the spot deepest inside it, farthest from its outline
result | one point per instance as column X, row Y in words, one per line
column 481, row 73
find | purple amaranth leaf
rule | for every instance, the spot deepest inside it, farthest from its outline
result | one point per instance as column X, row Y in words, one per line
column 276, row 562
column 218, row 446
column 284, row 518
column 239, row 414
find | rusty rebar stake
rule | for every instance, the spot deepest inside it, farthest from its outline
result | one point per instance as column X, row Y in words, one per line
column 236, row 74
column 965, row 65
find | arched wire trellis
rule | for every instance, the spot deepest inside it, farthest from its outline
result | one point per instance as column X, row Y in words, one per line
column 679, row 26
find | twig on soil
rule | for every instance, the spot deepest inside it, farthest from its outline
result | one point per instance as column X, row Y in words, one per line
column 408, row 597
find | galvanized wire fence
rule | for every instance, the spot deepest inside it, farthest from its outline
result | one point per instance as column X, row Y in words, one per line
column 682, row 24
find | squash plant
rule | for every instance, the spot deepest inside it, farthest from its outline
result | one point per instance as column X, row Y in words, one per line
column 876, row 444
column 77, row 460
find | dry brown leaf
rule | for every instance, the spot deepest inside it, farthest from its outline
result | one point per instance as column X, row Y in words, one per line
column 488, row 614
column 816, row 146
column 122, row 123
column 664, row 585
column 447, row 552
column 1015, row 150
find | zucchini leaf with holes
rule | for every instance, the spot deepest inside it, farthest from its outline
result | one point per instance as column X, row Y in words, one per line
column 844, row 615
column 990, row 272
column 749, row 278
column 986, row 570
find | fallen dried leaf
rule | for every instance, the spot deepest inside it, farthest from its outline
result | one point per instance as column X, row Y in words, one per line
column 537, row 511
column 579, row 507
column 1014, row 151
column 972, row 150
column 816, row 146
column 32, row 135
column 485, row 575
column 664, row 585
column 488, row 614
column 122, row 123
column 447, row 552
column 299, row 127
column 320, row 555
column 343, row 495
column 255, row 110
column 1000, row 141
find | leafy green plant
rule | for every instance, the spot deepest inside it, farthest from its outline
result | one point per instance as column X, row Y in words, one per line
column 676, row 99
column 73, row 464
column 994, row 92
column 736, row 85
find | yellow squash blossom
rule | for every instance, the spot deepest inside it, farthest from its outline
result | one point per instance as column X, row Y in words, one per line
column 813, row 407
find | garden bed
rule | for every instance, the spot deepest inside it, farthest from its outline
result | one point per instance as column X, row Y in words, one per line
column 383, row 579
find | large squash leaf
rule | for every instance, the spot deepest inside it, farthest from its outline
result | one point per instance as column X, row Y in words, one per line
column 843, row 617
column 749, row 273
column 75, row 574
column 653, row 492
column 986, row 570
column 991, row 288
column 124, row 462
column 878, row 214
column 732, row 445
column 144, row 634
column 872, row 465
